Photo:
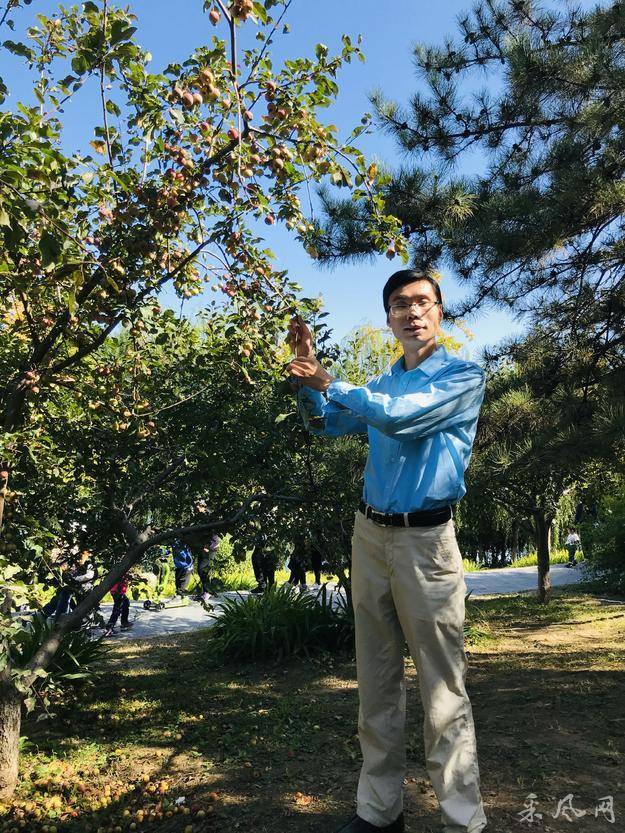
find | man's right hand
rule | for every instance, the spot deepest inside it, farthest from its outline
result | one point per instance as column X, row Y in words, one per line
column 299, row 338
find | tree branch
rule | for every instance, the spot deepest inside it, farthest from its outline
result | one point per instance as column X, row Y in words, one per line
column 132, row 505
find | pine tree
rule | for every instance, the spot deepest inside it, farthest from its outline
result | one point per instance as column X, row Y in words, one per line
column 540, row 229
column 545, row 420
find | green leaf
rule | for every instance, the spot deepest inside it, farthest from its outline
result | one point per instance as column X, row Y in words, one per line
column 49, row 247
column 79, row 64
column 260, row 12
column 5, row 220
column 120, row 31
column 18, row 48
column 113, row 108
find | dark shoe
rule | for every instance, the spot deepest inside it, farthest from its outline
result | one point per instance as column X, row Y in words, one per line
column 358, row 825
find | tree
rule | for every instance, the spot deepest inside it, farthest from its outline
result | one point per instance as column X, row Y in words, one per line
column 185, row 163
column 541, row 427
column 540, row 230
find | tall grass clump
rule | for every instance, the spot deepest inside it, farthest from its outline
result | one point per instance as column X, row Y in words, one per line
column 280, row 623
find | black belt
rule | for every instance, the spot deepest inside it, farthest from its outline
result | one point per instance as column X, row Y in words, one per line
column 424, row 517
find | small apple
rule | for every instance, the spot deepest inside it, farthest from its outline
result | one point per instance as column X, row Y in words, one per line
column 233, row 134
column 214, row 16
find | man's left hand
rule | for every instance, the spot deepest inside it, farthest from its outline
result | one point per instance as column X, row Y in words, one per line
column 309, row 372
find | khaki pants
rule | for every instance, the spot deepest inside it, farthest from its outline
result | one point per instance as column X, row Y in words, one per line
column 408, row 585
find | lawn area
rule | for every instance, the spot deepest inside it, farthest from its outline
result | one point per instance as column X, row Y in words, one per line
column 273, row 748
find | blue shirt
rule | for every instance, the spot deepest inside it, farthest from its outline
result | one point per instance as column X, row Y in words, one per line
column 183, row 559
column 421, row 425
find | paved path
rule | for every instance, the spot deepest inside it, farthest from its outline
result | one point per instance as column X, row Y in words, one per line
column 194, row 616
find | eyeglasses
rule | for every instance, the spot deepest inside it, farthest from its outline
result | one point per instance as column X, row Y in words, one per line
column 401, row 310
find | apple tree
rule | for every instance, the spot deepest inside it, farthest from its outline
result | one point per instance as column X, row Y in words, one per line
column 169, row 188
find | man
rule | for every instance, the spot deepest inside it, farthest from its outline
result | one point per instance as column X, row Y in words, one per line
column 204, row 545
column 572, row 545
column 183, row 566
column 205, row 563
column 407, row 578
column 264, row 563
column 77, row 578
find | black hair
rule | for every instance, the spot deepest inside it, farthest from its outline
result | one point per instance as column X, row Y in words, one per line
column 405, row 276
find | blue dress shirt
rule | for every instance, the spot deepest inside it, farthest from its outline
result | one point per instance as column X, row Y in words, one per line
column 421, row 425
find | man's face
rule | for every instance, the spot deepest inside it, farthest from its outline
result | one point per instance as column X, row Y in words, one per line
column 417, row 325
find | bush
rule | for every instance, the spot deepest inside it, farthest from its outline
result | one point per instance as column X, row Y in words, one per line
column 74, row 663
column 280, row 623
column 604, row 544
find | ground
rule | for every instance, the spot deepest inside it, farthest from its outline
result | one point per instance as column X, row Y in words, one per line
column 273, row 748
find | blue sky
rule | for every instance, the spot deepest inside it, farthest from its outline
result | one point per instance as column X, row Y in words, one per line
column 390, row 29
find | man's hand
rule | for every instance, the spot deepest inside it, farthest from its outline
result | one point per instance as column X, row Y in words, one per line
column 299, row 338
column 309, row 372
column 305, row 367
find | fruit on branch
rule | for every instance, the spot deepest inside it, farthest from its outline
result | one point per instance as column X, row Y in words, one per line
column 242, row 9
column 214, row 16
column 233, row 134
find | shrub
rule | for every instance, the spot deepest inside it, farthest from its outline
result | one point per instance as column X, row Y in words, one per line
column 74, row 664
column 280, row 623
column 604, row 543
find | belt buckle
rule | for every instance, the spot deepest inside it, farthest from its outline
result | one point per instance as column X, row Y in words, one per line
column 379, row 517
column 374, row 515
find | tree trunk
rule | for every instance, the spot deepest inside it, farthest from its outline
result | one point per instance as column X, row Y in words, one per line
column 514, row 550
column 10, row 719
column 543, row 546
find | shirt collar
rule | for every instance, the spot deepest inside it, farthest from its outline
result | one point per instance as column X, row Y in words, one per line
column 428, row 366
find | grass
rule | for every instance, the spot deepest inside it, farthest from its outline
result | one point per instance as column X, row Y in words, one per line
column 556, row 557
column 279, row 623
column 271, row 747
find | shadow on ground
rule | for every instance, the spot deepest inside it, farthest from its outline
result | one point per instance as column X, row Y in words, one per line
column 272, row 748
